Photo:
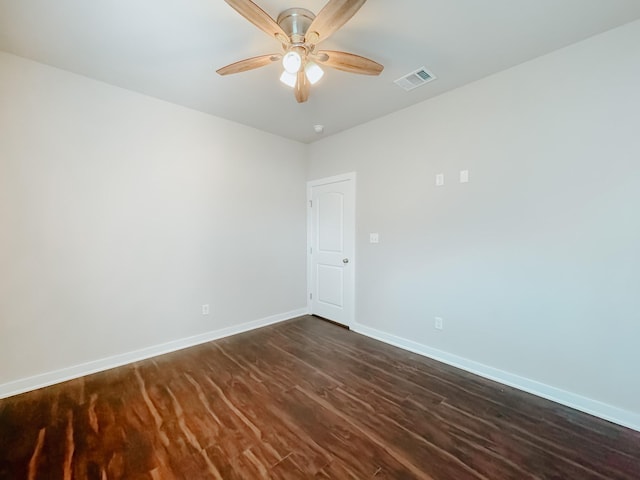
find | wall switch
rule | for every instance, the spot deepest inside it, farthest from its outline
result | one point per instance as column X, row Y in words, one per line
column 439, row 179
column 439, row 323
column 464, row 176
column 205, row 309
column 374, row 238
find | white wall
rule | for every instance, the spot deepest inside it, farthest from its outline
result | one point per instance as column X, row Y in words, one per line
column 534, row 264
column 120, row 215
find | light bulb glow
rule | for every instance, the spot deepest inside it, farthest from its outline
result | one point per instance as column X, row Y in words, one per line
column 292, row 62
column 288, row 79
column 314, row 72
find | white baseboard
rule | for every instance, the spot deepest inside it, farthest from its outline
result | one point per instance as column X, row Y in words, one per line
column 57, row 376
column 578, row 402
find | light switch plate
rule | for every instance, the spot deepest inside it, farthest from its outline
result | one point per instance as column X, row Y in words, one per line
column 374, row 238
column 439, row 179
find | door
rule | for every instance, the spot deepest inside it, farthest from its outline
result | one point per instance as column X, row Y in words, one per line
column 332, row 248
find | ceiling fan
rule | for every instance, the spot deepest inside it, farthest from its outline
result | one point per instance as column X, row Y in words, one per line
column 300, row 31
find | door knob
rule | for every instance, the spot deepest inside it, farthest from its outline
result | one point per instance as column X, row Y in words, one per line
column 345, row 260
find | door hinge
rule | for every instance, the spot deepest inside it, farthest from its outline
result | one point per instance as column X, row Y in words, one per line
column 311, row 296
column 310, row 203
column 311, row 250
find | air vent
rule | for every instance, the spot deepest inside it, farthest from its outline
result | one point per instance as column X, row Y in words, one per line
column 415, row 79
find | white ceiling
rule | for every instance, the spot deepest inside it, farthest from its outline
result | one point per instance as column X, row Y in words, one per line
column 170, row 49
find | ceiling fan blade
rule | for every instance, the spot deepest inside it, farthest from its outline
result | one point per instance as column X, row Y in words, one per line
column 249, row 64
column 259, row 18
column 333, row 16
column 302, row 88
column 348, row 62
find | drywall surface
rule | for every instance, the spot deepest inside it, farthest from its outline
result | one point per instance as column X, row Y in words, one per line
column 534, row 265
column 121, row 215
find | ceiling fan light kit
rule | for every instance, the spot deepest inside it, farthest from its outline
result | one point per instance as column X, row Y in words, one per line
column 292, row 62
column 289, row 79
column 299, row 31
column 313, row 72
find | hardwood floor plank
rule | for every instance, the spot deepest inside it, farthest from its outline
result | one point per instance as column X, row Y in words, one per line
column 302, row 399
column 500, row 402
column 35, row 457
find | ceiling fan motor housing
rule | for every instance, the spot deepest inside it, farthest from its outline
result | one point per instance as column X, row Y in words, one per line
column 295, row 22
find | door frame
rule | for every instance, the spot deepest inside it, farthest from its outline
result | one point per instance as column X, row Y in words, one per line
column 317, row 183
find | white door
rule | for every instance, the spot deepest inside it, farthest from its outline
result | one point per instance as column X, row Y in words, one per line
column 332, row 248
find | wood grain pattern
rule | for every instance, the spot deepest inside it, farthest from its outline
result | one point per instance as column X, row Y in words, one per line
column 348, row 62
column 332, row 16
column 249, row 64
column 302, row 399
column 258, row 17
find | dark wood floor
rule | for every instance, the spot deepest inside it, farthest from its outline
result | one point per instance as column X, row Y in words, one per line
column 302, row 399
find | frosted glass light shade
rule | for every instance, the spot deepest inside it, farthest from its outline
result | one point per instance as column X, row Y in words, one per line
column 289, row 79
column 292, row 62
column 314, row 72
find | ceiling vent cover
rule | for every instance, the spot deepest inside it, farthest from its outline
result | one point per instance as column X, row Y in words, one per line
column 415, row 79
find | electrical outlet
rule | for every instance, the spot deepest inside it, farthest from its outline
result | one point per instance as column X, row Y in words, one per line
column 205, row 309
column 439, row 323
column 439, row 179
column 464, row 176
